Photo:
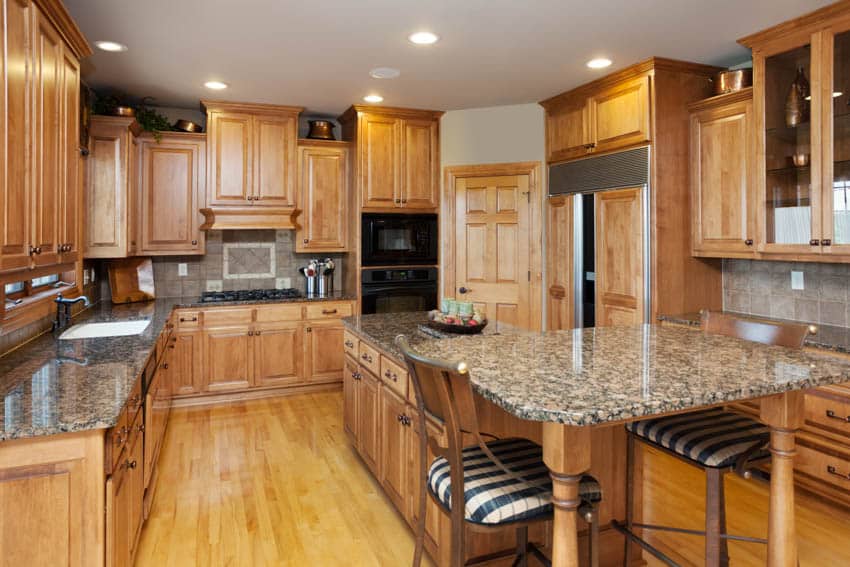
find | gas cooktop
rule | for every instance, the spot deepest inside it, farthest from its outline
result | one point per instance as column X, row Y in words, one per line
column 250, row 295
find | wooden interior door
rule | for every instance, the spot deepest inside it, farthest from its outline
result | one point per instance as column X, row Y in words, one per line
column 277, row 354
column 619, row 257
column 323, row 199
column 275, row 160
column 47, row 149
column 493, row 247
column 420, row 164
column 227, row 359
column 170, row 184
column 379, row 161
column 229, row 135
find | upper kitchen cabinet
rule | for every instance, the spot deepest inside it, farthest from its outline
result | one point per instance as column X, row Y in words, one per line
column 722, row 202
column 172, row 182
column 397, row 157
column 112, row 189
column 801, row 82
column 251, row 165
column 603, row 116
column 40, row 191
column 323, row 174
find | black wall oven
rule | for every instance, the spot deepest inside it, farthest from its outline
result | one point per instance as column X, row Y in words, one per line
column 399, row 240
column 399, row 290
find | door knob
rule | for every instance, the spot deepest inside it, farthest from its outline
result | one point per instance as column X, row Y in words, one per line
column 464, row 290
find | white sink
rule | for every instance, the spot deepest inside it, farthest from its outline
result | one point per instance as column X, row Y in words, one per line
column 113, row 329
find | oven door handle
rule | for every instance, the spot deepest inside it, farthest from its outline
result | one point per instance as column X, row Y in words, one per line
column 370, row 290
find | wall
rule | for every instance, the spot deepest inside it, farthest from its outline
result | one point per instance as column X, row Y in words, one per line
column 764, row 288
column 248, row 252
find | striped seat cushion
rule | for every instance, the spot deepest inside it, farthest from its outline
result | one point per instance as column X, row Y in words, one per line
column 492, row 496
column 713, row 438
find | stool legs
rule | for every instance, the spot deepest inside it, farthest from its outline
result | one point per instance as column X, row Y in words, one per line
column 521, row 547
column 716, row 548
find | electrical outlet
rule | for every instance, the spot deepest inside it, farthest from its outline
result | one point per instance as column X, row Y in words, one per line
column 797, row 280
column 182, row 270
column 215, row 285
column 283, row 283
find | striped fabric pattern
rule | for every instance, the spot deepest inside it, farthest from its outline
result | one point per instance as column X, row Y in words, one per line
column 714, row 438
column 493, row 497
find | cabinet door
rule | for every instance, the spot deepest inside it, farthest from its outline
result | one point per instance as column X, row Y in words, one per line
column 275, row 163
column 379, row 161
column 108, row 208
column 722, row 215
column 415, row 483
column 47, row 147
column 119, row 491
column 278, row 354
column 368, row 416
column 186, row 377
column 350, row 391
column 420, row 165
column 230, row 158
column 836, row 146
column 323, row 178
column 137, row 488
column 171, row 181
column 619, row 116
column 227, row 359
column 71, row 163
column 393, row 447
column 325, row 360
column 559, row 294
column 15, row 178
column 568, row 130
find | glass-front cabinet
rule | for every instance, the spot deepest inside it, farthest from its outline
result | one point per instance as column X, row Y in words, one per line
column 801, row 90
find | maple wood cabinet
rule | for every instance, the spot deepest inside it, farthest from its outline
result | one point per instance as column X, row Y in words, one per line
column 394, row 423
column 39, row 194
column 598, row 118
column 397, row 157
column 251, row 165
column 723, row 206
column 323, row 174
column 172, row 183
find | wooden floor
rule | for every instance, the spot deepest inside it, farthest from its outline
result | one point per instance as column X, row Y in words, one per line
column 275, row 482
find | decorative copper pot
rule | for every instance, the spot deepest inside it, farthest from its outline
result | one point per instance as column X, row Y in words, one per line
column 188, row 126
column 732, row 81
column 321, row 130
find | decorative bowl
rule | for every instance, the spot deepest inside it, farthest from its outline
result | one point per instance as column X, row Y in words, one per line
column 458, row 329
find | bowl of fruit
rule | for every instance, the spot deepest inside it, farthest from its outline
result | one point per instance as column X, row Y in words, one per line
column 453, row 323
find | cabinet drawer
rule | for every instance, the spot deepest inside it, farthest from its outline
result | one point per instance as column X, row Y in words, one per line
column 394, row 376
column 328, row 309
column 188, row 319
column 826, row 412
column 275, row 313
column 370, row 358
column 830, row 466
column 350, row 344
column 227, row 317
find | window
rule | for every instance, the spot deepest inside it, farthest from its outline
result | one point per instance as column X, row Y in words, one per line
column 45, row 280
column 27, row 291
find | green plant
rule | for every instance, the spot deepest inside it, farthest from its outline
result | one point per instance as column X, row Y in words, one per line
column 147, row 116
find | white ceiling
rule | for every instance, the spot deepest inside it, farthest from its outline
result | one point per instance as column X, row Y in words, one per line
column 318, row 53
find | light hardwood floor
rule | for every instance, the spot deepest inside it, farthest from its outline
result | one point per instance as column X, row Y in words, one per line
column 275, row 482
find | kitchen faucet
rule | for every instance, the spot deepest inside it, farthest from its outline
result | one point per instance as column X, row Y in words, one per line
column 63, row 310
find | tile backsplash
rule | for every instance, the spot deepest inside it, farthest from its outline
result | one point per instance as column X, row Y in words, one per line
column 763, row 288
column 237, row 259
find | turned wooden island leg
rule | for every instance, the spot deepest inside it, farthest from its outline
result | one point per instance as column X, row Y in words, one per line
column 566, row 451
column 784, row 414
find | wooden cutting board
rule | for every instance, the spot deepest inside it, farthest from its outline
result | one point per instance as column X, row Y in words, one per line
column 131, row 280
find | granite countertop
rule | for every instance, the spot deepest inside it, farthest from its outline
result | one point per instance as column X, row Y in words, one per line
column 53, row 386
column 194, row 303
column 593, row 376
column 828, row 337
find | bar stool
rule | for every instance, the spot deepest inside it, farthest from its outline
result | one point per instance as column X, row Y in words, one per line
column 501, row 482
column 715, row 440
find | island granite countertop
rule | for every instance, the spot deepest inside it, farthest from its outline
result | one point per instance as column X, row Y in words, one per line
column 594, row 376
column 54, row 386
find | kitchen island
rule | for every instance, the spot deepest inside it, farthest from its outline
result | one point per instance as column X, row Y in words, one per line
column 575, row 385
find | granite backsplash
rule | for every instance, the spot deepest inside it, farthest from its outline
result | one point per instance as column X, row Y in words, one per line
column 238, row 259
column 763, row 288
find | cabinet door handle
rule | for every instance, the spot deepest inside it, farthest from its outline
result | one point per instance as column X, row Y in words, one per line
column 349, row 344
column 306, row 240
column 835, row 472
column 398, row 201
column 826, row 242
column 250, row 333
column 309, row 329
column 404, row 201
column 188, row 320
column 832, row 415
column 328, row 311
column 814, row 242
column 194, row 243
column 258, row 333
column 141, row 428
column 165, row 366
column 748, row 242
column 464, row 290
column 132, row 464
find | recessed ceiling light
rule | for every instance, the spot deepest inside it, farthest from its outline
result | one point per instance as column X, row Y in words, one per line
column 423, row 38
column 384, row 73
column 599, row 63
column 215, row 85
column 110, row 46
column 373, row 98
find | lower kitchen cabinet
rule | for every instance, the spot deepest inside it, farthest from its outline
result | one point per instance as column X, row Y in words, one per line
column 350, row 391
column 277, row 354
column 325, row 358
column 227, row 359
column 185, row 378
column 124, row 499
column 395, row 424
column 368, row 421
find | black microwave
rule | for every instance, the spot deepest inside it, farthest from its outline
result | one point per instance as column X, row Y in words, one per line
column 399, row 240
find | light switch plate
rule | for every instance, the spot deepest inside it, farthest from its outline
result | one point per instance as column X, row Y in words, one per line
column 797, row 280
column 182, row 270
column 282, row 283
column 215, row 285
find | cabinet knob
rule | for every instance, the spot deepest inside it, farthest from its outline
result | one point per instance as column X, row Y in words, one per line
column 250, row 333
column 826, row 242
column 404, row 201
column 194, row 243
column 309, row 329
column 306, row 240
column 814, row 242
column 398, row 201
column 132, row 464
column 165, row 366
column 258, row 333
column 464, row 290
column 748, row 242
column 141, row 428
